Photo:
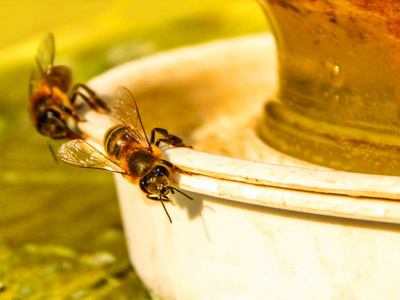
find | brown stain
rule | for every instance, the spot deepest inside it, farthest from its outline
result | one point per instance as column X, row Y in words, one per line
column 387, row 11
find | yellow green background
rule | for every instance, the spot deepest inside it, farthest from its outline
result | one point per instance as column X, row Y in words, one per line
column 60, row 230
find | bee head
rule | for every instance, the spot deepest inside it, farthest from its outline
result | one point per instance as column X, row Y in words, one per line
column 51, row 124
column 156, row 184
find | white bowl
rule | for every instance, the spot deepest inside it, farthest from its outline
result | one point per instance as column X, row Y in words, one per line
column 271, row 228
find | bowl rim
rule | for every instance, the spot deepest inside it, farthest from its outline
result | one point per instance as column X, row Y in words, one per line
column 306, row 189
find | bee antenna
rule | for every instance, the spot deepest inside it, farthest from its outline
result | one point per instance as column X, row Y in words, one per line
column 52, row 151
column 165, row 209
column 175, row 189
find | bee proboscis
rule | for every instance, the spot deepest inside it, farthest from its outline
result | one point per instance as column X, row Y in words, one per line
column 129, row 151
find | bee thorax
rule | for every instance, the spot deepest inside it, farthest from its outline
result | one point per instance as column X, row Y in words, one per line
column 140, row 162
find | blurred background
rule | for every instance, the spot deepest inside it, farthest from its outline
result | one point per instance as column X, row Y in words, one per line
column 60, row 230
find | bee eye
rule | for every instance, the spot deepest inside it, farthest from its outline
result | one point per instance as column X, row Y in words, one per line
column 50, row 124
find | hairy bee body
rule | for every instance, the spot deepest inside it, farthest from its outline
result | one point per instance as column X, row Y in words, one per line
column 49, row 108
column 46, row 98
column 137, row 160
column 129, row 152
column 52, row 101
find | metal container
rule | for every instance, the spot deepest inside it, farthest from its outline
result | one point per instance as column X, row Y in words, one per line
column 338, row 103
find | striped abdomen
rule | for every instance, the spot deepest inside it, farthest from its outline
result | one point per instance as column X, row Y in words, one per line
column 132, row 156
column 118, row 142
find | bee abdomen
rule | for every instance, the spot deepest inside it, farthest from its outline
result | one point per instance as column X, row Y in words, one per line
column 116, row 142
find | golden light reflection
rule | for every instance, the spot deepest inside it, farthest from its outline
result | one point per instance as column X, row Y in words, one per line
column 45, row 205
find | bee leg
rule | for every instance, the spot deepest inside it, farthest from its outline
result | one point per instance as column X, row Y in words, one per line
column 52, row 150
column 161, row 131
column 71, row 113
column 168, row 138
column 93, row 100
column 172, row 166
column 168, row 164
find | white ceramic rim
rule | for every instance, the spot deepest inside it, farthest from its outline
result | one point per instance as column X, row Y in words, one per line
column 303, row 189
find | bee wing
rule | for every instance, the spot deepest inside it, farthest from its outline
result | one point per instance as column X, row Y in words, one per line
column 45, row 54
column 81, row 154
column 33, row 82
column 124, row 109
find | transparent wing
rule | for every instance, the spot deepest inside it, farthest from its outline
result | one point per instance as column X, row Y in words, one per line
column 124, row 109
column 81, row 154
column 45, row 54
column 33, row 82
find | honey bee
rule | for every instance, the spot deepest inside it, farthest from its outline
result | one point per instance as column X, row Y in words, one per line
column 51, row 104
column 129, row 151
